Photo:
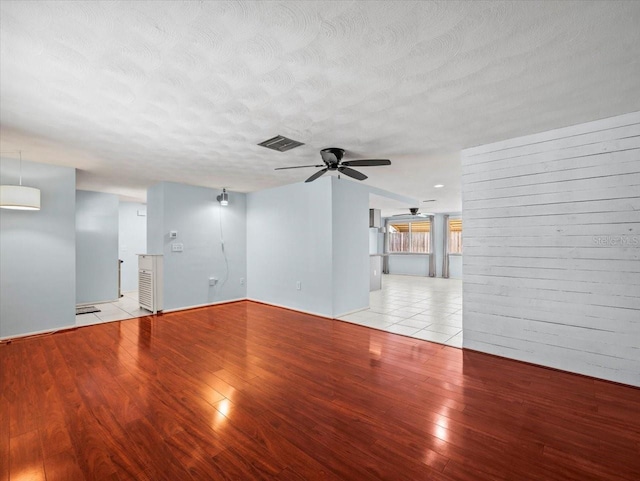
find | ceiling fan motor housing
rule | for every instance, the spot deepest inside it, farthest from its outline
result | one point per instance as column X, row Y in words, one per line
column 336, row 152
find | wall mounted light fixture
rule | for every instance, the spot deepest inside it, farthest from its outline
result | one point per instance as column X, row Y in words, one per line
column 223, row 198
column 19, row 197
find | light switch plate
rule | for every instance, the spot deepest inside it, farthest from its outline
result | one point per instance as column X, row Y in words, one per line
column 177, row 247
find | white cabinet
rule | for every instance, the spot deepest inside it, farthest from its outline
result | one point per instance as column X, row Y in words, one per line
column 150, row 282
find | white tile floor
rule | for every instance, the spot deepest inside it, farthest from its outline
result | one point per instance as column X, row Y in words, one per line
column 124, row 308
column 422, row 307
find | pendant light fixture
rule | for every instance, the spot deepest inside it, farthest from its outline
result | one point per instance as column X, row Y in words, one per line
column 19, row 197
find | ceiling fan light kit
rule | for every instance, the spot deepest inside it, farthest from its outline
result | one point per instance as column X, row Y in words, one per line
column 332, row 158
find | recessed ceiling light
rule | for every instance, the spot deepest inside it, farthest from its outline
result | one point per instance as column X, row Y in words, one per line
column 437, row 186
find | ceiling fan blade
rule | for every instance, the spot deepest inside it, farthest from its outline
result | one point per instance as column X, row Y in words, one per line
column 316, row 175
column 298, row 167
column 352, row 173
column 367, row 162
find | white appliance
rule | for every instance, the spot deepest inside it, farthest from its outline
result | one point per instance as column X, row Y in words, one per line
column 150, row 282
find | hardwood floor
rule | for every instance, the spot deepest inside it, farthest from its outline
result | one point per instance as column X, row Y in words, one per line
column 245, row 391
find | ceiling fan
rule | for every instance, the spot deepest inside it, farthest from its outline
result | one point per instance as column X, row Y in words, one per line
column 332, row 158
column 412, row 211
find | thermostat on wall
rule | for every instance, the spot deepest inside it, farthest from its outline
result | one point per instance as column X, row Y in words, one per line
column 173, row 234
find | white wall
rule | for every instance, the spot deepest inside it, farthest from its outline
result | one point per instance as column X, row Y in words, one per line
column 37, row 252
column 409, row 264
column 96, row 247
column 350, row 241
column 289, row 241
column 455, row 266
column 200, row 222
column 132, row 238
column 552, row 248
column 374, row 235
column 155, row 220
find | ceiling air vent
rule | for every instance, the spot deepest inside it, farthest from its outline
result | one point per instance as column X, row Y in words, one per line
column 280, row 143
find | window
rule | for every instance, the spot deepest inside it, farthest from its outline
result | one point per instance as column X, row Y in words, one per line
column 455, row 236
column 410, row 237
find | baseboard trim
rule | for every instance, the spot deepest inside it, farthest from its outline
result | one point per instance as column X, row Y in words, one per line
column 85, row 304
column 199, row 306
column 351, row 312
column 45, row 332
column 258, row 301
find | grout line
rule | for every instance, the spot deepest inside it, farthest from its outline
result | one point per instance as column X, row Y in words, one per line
column 397, row 298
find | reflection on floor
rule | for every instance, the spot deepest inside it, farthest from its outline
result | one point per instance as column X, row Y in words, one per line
column 422, row 307
column 124, row 308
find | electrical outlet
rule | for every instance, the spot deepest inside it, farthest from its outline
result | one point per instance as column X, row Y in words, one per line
column 298, row 285
column 242, row 281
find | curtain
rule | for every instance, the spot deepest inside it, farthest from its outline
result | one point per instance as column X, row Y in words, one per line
column 445, row 250
column 432, row 256
column 385, row 249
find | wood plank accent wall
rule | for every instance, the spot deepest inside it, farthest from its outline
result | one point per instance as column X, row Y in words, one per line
column 552, row 248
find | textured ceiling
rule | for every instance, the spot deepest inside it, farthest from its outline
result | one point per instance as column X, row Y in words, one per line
column 133, row 93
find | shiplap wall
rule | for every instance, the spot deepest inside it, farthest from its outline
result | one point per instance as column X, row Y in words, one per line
column 552, row 248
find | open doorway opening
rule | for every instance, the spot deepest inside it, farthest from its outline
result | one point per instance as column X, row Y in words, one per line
column 416, row 272
column 109, row 234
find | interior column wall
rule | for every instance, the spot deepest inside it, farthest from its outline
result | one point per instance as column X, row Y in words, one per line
column 309, row 246
column 350, row 253
column 289, row 252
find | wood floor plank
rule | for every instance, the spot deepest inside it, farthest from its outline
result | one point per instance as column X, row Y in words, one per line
column 249, row 391
column 63, row 467
column 26, row 457
column 22, row 396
